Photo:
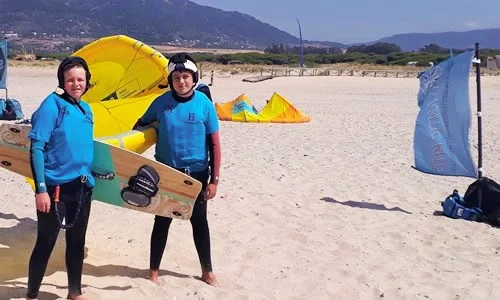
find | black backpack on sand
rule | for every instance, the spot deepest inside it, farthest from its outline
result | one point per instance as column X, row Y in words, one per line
column 490, row 199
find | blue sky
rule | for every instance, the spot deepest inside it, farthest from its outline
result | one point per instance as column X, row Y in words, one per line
column 351, row 21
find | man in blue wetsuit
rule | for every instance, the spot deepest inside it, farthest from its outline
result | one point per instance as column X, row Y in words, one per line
column 62, row 151
column 188, row 130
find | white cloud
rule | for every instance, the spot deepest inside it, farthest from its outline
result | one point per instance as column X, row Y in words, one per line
column 471, row 24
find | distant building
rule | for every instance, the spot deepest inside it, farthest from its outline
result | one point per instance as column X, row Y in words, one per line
column 235, row 62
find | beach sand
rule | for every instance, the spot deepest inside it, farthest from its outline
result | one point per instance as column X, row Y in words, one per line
column 330, row 209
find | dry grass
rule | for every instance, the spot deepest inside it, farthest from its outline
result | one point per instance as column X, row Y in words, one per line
column 266, row 69
column 172, row 50
column 228, row 70
column 50, row 63
column 370, row 67
column 206, row 68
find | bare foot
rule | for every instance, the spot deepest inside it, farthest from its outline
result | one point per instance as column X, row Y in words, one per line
column 209, row 278
column 153, row 275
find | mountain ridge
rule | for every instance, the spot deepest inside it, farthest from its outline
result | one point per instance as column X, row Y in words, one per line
column 487, row 38
column 184, row 22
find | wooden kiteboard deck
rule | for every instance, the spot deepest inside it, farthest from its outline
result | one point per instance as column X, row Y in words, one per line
column 177, row 192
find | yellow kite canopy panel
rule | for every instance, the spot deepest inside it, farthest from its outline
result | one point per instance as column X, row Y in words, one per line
column 280, row 110
column 127, row 75
column 277, row 110
column 122, row 67
column 240, row 109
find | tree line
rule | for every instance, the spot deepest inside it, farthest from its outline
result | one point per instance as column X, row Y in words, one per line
column 384, row 54
column 376, row 54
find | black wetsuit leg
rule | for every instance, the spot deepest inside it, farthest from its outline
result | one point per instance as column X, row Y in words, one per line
column 199, row 222
column 158, row 241
column 75, row 249
column 201, row 234
column 48, row 230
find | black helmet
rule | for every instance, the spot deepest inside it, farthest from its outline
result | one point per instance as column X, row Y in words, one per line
column 68, row 63
column 182, row 62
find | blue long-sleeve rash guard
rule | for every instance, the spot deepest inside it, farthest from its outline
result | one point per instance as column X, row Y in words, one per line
column 37, row 165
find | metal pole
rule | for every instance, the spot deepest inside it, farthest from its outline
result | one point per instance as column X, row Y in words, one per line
column 6, row 66
column 301, row 46
column 479, row 114
column 477, row 60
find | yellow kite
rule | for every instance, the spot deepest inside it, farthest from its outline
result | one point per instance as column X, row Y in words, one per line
column 277, row 110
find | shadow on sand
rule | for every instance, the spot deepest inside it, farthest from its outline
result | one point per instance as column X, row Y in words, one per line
column 365, row 205
column 15, row 291
column 16, row 244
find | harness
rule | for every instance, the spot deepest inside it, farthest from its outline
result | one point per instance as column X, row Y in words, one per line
column 79, row 201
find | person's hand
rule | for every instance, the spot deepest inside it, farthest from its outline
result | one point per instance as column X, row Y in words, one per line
column 210, row 191
column 42, row 202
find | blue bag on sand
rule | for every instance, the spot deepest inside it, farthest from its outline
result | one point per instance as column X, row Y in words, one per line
column 3, row 107
column 454, row 207
column 10, row 109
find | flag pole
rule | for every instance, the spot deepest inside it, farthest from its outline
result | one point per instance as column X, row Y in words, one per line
column 5, row 67
column 477, row 60
column 479, row 115
column 301, row 46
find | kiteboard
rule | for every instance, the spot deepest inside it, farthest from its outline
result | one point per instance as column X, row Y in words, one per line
column 123, row 178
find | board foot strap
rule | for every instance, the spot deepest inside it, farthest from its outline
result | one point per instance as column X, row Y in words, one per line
column 142, row 187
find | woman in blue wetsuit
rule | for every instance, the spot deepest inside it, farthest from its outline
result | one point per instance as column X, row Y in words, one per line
column 188, row 133
column 62, row 150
